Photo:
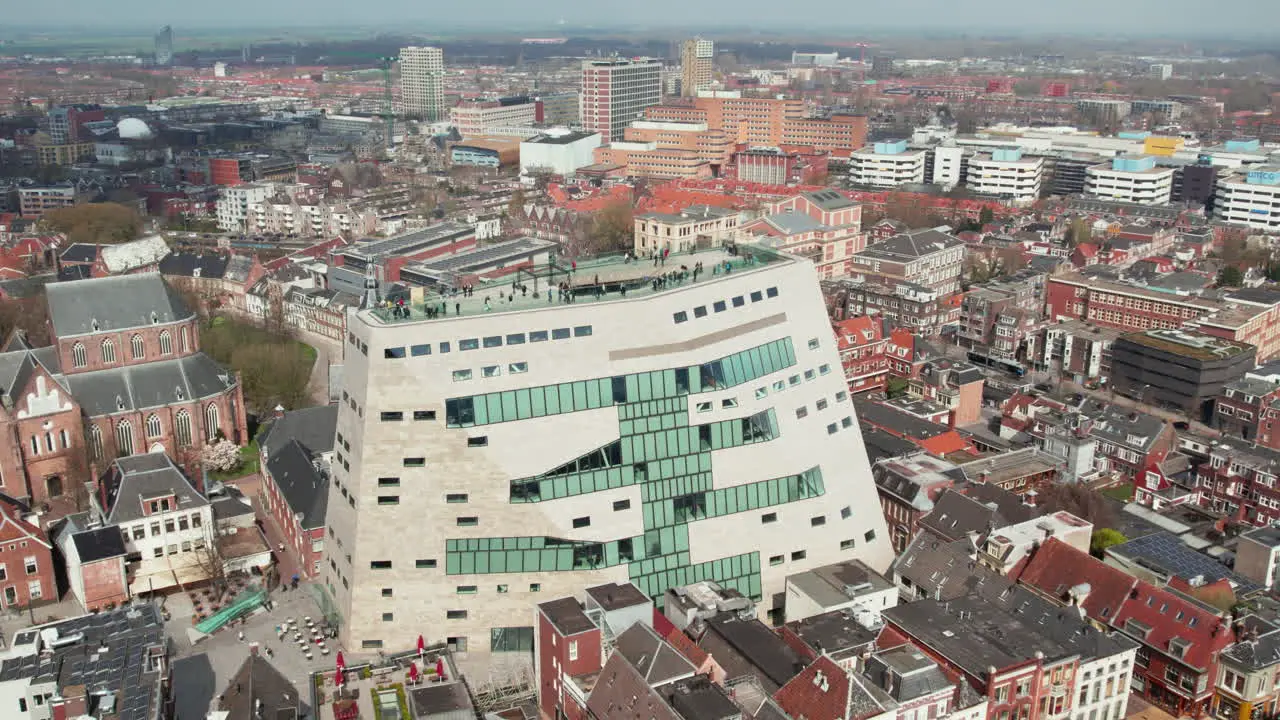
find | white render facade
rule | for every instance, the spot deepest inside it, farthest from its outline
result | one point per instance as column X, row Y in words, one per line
column 1103, row 686
column 880, row 169
column 1146, row 187
column 1016, row 179
column 702, row 432
column 1256, row 204
column 422, row 83
column 236, row 204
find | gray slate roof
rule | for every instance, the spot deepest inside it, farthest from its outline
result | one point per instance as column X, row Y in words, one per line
column 651, row 656
column 151, row 385
column 137, row 477
column 912, row 245
column 305, row 488
column 115, row 303
column 314, row 428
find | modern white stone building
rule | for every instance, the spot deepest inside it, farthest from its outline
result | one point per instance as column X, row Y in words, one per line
column 525, row 448
column 1132, row 179
column 1006, row 174
column 422, row 83
column 558, row 151
column 887, row 164
column 1250, row 198
column 236, row 204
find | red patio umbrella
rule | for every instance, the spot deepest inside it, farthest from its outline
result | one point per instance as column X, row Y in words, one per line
column 440, row 668
column 342, row 664
column 338, row 677
column 413, row 672
column 422, row 647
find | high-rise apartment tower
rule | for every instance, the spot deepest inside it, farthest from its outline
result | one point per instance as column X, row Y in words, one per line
column 697, row 56
column 164, row 46
column 422, row 83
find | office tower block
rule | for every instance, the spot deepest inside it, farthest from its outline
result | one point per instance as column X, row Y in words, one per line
column 164, row 46
column 616, row 91
column 529, row 447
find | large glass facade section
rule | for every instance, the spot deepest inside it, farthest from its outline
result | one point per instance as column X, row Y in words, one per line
column 739, row 572
column 704, row 504
column 545, row 554
column 642, row 387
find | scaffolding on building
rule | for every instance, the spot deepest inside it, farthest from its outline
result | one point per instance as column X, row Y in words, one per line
column 509, row 683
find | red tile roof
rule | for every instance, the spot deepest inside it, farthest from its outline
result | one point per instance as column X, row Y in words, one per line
column 686, row 647
column 1116, row 598
column 805, row 697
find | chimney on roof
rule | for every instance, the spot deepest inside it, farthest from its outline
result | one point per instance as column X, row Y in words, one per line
column 1030, row 498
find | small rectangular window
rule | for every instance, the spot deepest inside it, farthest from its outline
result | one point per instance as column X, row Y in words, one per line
column 729, row 403
column 466, row 589
column 824, row 369
column 424, row 564
column 420, row 350
column 560, row 334
column 771, row 292
column 388, row 499
column 388, row 617
column 469, row 344
column 799, row 555
column 680, row 317
column 704, row 407
column 393, row 353
column 809, row 375
column 821, row 404
column 813, row 343
column 582, row 331
column 491, row 371
column 793, row 380
column 769, row 518
column 582, row 522
column 415, row 462
column 840, row 396
column 424, row 414
column 818, row 521
column 831, row 429
column 515, row 339
column 869, row 536
column 388, row 482
column 846, row 512
column 535, row 587
column 455, row 498
column 461, row 375
column 847, row 544
column 621, row 505
column 480, row 441
column 779, row 386
column 802, row 413
column 370, row 644
column 444, row 347
column 739, row 301
column 756, row 296
column 719, row 306
column 468, row 521
column 846, row 422
column 776, row 559
column 387, row 592
column 493, row 341
column 700, row 311
column 392, row 416
column 455, row 614
column 380, row 565
column 517, row 368
column 502, row 589
column 538, row 336
column 761, row 392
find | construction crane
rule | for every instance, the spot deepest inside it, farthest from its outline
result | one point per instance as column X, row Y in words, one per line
column 388, row 106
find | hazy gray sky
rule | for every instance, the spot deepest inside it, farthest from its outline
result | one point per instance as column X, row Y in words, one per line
column 1030, row 16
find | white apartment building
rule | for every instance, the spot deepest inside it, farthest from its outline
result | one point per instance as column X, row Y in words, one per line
column 1103, row 683
column 1251, row 198
column 422, row 83
column 1006, row 174
column 886, row 164
column 697, row 60
column 351, row 124
column 1133, row 179
column 948, row 164
column 615, row 92
column 477, row 118
column 529, row 448
column 236, row 204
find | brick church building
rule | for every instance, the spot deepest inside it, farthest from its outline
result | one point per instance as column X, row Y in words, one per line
column 125, row 375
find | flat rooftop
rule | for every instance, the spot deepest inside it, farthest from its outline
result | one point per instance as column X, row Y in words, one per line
column 408, row 242
column 600, row 280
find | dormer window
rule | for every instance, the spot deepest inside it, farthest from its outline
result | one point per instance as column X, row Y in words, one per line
column 154, row 317
column 119, row 403
column 94, row 325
